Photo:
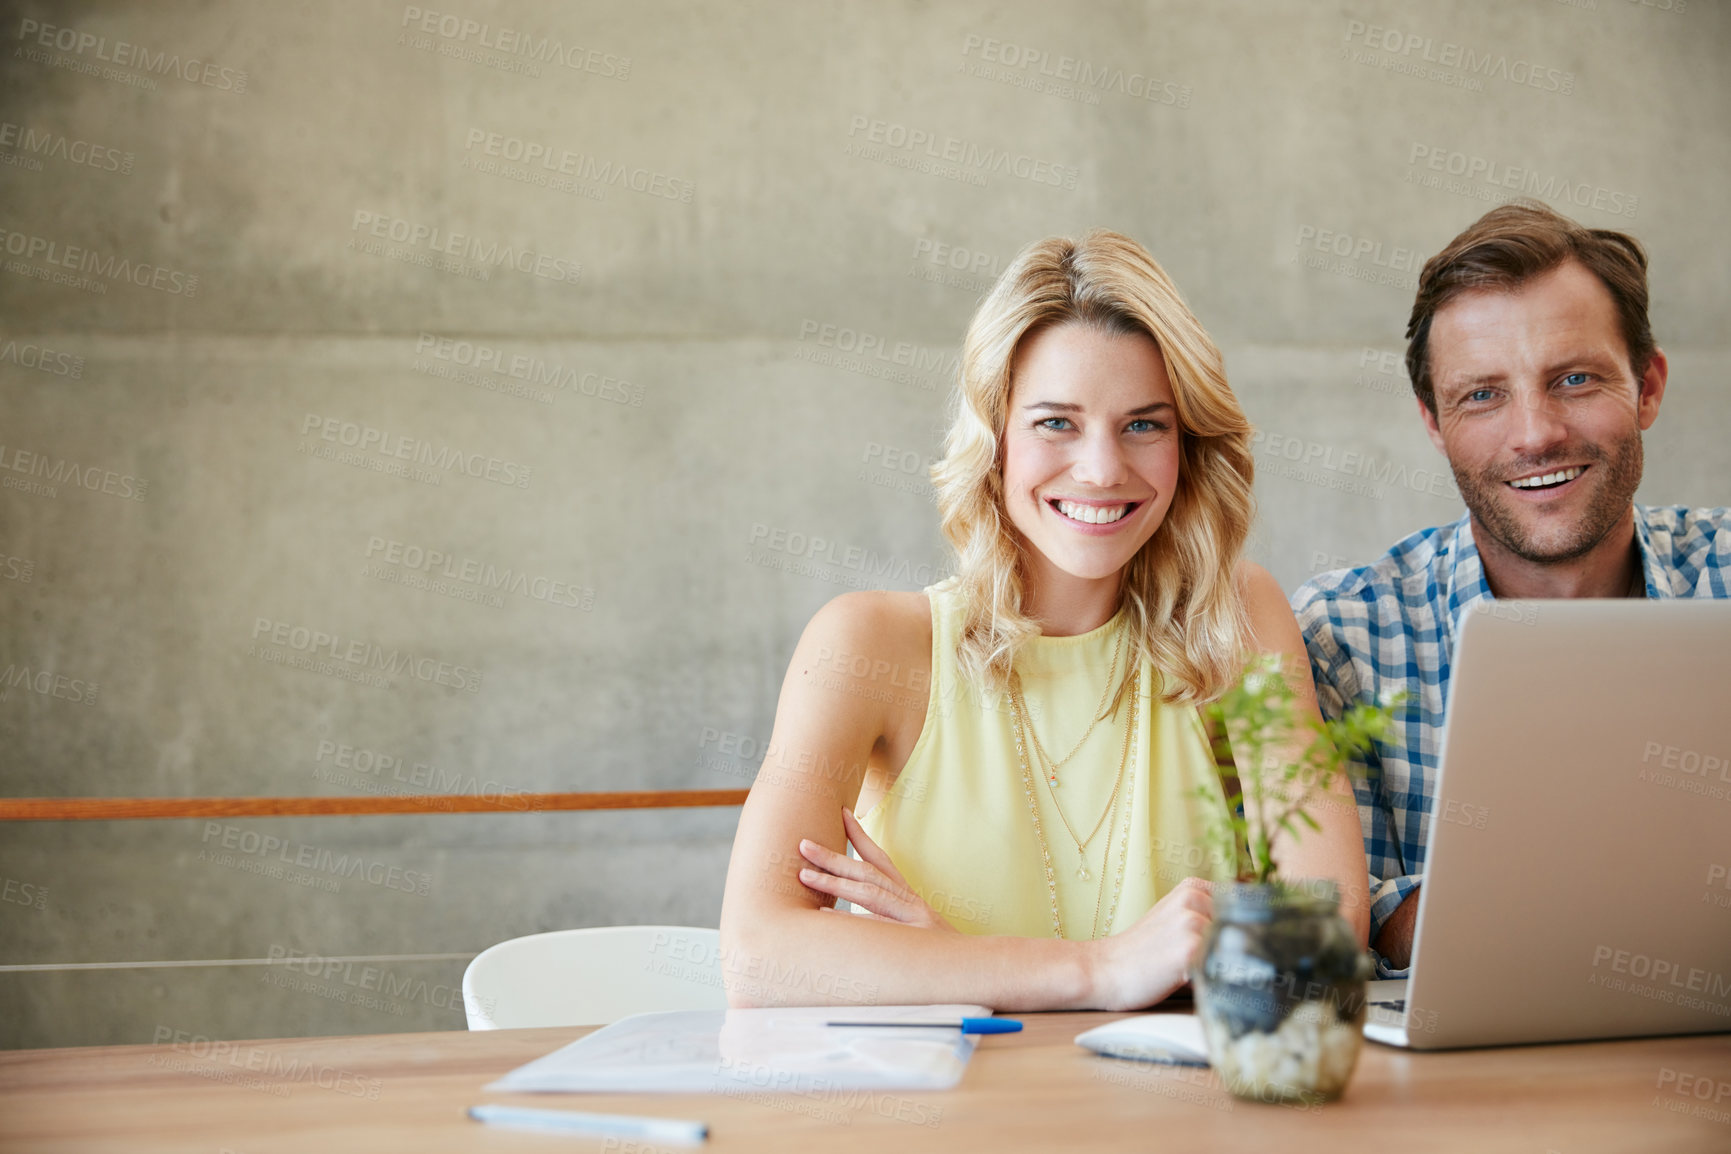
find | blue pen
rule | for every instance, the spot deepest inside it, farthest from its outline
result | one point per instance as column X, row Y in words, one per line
column 966, row 1025
column 600, row 1125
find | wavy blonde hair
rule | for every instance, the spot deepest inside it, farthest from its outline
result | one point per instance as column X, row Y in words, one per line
column 1184, row 610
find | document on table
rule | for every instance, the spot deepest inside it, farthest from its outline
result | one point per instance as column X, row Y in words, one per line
column 744, row 1051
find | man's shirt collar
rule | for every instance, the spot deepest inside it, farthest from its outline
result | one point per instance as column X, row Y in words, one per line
column 1658, row 548
column 1465, row 573
column 1467, row 585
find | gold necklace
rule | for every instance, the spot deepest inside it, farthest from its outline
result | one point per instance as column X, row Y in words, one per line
column 1123, row 846
column 1021, row 706
column 1040, row 834
column 1052, row 767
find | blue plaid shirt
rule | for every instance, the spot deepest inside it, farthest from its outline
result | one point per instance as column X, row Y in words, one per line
column 1391, row 625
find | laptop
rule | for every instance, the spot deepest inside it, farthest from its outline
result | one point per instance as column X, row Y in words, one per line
column 1578, row 883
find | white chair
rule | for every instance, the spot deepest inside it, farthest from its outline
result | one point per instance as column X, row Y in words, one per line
column 592, row 977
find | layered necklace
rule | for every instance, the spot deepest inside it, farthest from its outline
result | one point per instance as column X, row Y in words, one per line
column 1052, row 767
column 1023, row 726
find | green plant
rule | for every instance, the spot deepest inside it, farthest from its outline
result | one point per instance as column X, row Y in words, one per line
column 1269, row 790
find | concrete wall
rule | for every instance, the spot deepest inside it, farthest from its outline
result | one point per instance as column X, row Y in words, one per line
column 691, row 424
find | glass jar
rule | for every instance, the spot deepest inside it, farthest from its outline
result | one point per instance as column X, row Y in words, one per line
column 1279, row 986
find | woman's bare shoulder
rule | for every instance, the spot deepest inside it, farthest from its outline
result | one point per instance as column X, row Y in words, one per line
column 1256, row 585
column 878, row 625
column 860, row 677
column 1273, row 628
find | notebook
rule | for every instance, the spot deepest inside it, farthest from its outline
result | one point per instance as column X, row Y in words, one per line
column 787, row 1049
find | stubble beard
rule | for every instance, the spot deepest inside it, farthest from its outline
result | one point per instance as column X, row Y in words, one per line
column 1619, row 475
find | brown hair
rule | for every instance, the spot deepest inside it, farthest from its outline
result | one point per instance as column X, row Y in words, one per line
column 1510, row 245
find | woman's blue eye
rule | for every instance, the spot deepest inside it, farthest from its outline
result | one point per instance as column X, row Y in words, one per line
column 1056, row 424
column 1143, row 425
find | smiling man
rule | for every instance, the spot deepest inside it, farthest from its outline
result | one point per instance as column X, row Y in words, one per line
column 1535, row 371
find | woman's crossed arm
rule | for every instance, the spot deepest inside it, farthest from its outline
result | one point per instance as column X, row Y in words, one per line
column 782, row 945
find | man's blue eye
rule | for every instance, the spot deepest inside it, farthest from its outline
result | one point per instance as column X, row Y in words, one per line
column 1575, row 379
column 1479, row 395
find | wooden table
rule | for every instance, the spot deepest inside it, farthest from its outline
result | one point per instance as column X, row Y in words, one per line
column 1030, row 1091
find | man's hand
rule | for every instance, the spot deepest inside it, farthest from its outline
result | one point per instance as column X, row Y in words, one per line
column 1395, row 941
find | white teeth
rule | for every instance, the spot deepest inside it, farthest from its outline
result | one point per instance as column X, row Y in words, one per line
column 1547, row 479
column 1093, row 514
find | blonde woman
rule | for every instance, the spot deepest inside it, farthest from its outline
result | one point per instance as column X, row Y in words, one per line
column 1022, row 740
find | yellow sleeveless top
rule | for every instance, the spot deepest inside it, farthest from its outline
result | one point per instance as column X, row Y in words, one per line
column 956, row 821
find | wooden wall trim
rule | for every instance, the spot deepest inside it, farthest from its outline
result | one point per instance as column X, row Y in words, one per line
column 131, row 808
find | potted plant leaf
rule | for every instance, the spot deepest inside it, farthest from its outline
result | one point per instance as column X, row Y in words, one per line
column 1279, row 980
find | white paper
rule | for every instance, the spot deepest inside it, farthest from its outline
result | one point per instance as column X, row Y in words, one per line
column 1174, row 1038
column 786, row 1050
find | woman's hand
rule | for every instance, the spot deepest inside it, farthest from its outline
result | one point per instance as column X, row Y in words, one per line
column 1140, row 966
column 873, row 883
